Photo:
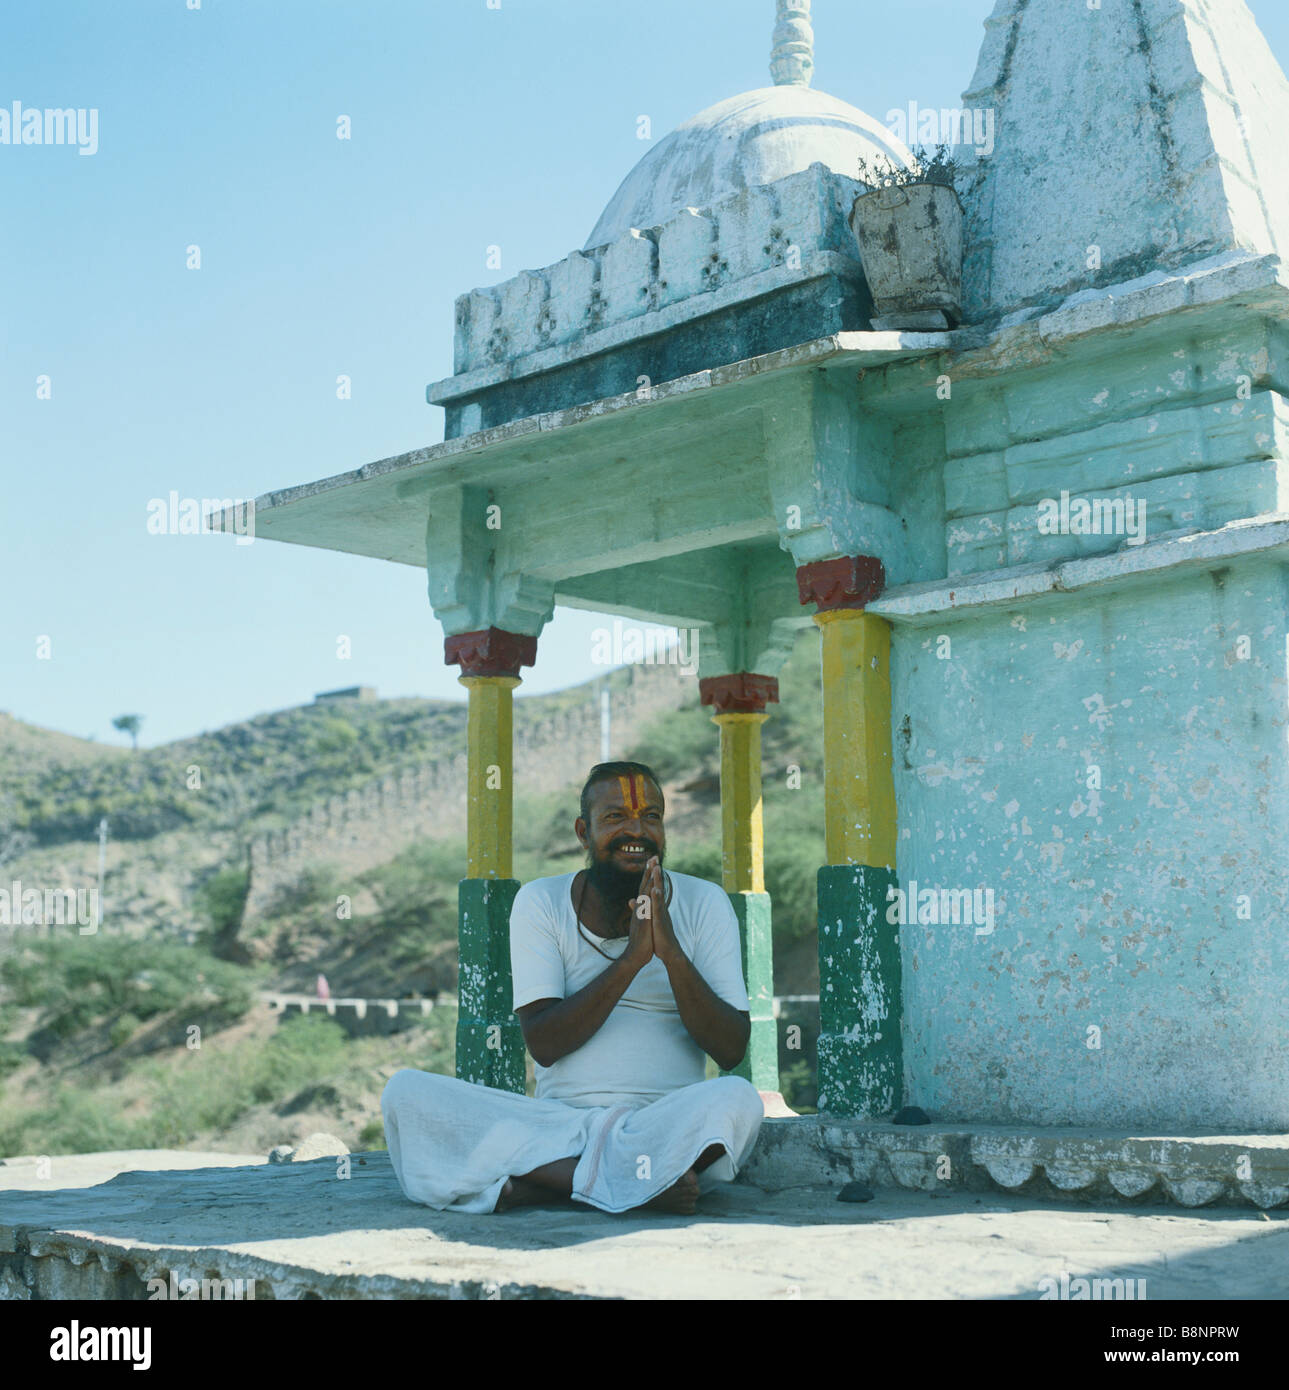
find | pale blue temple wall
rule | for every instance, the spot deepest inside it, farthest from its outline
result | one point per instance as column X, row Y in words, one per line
column 1122, row 914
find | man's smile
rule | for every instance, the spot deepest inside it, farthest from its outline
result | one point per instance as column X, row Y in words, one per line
column 635, row 849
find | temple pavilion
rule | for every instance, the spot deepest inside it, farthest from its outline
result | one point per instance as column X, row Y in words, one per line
column 1055, row 757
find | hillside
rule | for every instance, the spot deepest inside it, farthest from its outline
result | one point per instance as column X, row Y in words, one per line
column 27, row 748
column 283, row 808
column 94, row 1030
column 262, row 768
column 185, row 812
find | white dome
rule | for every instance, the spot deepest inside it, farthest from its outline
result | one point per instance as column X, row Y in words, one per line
column 747, row 140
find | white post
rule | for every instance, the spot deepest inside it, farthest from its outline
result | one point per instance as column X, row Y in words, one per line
column 605, row 726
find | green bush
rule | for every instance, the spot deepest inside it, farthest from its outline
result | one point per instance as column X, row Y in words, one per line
column 372, row 1135
column 215, row 1088
column 799, row 1086
column 221, row 898
column 123, row 1030
column 417, row 891
column 72, row 1120
column 543, row 831
column 77, row 981
column 304, row 1048
column 334, row 735
column 203, row 1091
column 12, row 1056
column 318, row 885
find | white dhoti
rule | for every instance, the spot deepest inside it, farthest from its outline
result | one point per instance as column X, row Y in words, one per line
column 453, row 1144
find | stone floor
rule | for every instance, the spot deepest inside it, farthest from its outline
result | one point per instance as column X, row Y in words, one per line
column 102, row 1225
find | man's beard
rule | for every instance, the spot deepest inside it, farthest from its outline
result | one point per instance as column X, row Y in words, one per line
column 617, row 886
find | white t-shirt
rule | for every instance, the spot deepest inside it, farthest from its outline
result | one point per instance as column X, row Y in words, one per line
column 643, row 1049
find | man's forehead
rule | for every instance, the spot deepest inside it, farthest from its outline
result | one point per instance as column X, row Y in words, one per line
column 632, row 791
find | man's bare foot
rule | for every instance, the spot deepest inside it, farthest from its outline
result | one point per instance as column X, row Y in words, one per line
column 519, row 1192
column 681, row 1197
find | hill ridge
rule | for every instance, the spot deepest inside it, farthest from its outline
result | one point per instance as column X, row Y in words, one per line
column 371, row 823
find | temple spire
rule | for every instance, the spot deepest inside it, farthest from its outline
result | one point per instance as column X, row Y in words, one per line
column 792, row 60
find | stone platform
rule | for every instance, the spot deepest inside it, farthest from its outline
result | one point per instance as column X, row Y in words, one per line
column 102, row 1226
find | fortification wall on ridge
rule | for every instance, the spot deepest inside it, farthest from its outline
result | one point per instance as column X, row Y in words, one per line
column 371, row 824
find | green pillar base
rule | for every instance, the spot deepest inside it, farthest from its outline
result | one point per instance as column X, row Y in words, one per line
column 861, row 1060
column 490, row 1043
column 760, row 1065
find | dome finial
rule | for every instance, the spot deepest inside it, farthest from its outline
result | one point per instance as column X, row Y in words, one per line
column 792, row 60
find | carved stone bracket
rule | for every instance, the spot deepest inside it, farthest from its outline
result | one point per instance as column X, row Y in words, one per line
column 491, row 652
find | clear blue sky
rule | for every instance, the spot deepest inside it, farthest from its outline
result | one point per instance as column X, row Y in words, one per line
column 471, row 126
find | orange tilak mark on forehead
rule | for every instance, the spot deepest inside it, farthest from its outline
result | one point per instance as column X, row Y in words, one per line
column 633, row 791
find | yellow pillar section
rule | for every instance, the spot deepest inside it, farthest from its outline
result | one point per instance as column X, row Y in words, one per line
column 859, row 790
column 489, row 781
column 742, row 824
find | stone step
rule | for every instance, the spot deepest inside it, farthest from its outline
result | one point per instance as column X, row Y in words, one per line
column 1078, row 1165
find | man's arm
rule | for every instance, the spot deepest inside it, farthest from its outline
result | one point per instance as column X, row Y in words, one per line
column 553, row 1028
column 721, row 1030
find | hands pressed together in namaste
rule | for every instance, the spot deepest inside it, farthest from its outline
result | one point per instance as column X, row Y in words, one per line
column 651, row 933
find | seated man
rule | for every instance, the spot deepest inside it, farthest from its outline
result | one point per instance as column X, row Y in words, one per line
column 624, row 977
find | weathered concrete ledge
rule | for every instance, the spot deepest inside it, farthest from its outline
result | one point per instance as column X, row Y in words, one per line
column 1050, row 1164
column 1230, row 277
column 815, row 266
column 930, row 601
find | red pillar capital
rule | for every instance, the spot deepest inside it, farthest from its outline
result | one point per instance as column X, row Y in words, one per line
column 490, row 652
column 853, row 581
column 743, row 692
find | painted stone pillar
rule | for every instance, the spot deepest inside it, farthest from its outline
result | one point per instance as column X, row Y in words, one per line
column 490, row 801
column 489, row 1043
column 860, row 1008
column 739, row 702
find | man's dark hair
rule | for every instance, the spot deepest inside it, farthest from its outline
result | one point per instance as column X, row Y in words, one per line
column 603, row 772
